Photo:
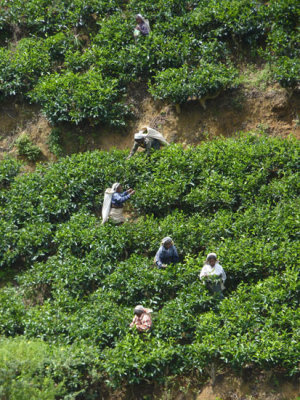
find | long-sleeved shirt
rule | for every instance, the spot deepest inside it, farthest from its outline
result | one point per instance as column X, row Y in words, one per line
column 119, row 198
column 149, row 143
column 143, row 323
column 166, row 256
column 217, row 270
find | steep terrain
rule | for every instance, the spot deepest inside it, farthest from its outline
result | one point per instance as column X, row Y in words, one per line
column 220, row 80
column 254, row 105
column 69, row 282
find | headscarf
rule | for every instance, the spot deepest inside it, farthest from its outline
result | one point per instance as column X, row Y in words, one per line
column 211, row 255
column 143, row 309
column 166, row 239
column 151, row 133
column 140, row 16
column 115, row 186
column 144, row 23
column 107, row 201
column 139, row 135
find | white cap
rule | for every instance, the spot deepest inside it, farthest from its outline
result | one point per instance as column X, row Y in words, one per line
column 139, row 135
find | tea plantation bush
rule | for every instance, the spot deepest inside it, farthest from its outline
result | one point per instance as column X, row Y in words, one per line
column 31, row 369
column 76, row 281
column 22, row 66
column 9, row 169
column 177, row 85
column 72, row 97
column 78, row 59
column 27, row 149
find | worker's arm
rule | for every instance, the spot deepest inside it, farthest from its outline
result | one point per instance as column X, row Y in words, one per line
column 133, row 150
column 133, row 322
column 175, row 255
column 119, row 198
column 203, row 272
column 223, row 275
column 158, row 260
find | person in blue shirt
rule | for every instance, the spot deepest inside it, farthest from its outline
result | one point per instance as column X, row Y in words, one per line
column 167, row 253
column 119, row 197
column 113, row 203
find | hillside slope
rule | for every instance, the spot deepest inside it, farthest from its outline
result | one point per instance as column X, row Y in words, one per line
column 255, row 105
column 69, row 283
column 220, row 79
column 78, row 63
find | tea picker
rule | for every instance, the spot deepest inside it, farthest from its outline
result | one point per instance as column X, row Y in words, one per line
column 142, row 319
column 149, row 139
column 142, row 27
column 166, row 254
column 213, row 275
column 113, row 203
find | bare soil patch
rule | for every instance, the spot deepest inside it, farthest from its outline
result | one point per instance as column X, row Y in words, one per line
column 269, row 109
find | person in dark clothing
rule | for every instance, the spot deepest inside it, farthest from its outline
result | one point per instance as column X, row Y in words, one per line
column 142, row 27
column 166, row 254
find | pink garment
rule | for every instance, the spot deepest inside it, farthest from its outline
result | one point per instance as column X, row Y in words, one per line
column 143, row 323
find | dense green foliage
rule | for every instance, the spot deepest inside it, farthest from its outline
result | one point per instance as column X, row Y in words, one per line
column 78, row 280
column 9, row 168
column 65, row 97
column 27, row 149
column 77, row 59
column 30, row 369
column 178, row 84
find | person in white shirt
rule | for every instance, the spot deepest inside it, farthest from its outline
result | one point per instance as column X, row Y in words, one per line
column 213, row 275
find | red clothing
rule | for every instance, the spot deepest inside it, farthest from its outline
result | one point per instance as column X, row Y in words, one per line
column 143, row 323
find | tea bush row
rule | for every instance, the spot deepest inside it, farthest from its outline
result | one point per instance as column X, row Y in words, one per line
column 64, row 97
column 239, row 334
column 30, row 59
column 80, row 58
column 43, row 17
column 9, row 169
column 240, row 323
column 76, row 280
column 31, row 369
column 256, row 325
column 198, row 180
column 178, row 85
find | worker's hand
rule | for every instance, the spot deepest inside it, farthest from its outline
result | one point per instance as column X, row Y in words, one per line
column 164, row 266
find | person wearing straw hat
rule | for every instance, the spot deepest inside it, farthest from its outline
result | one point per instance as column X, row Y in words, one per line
column 166, row 254
column 149, row 139
column 213, row 275
column 142, row 319
column 114, row 199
